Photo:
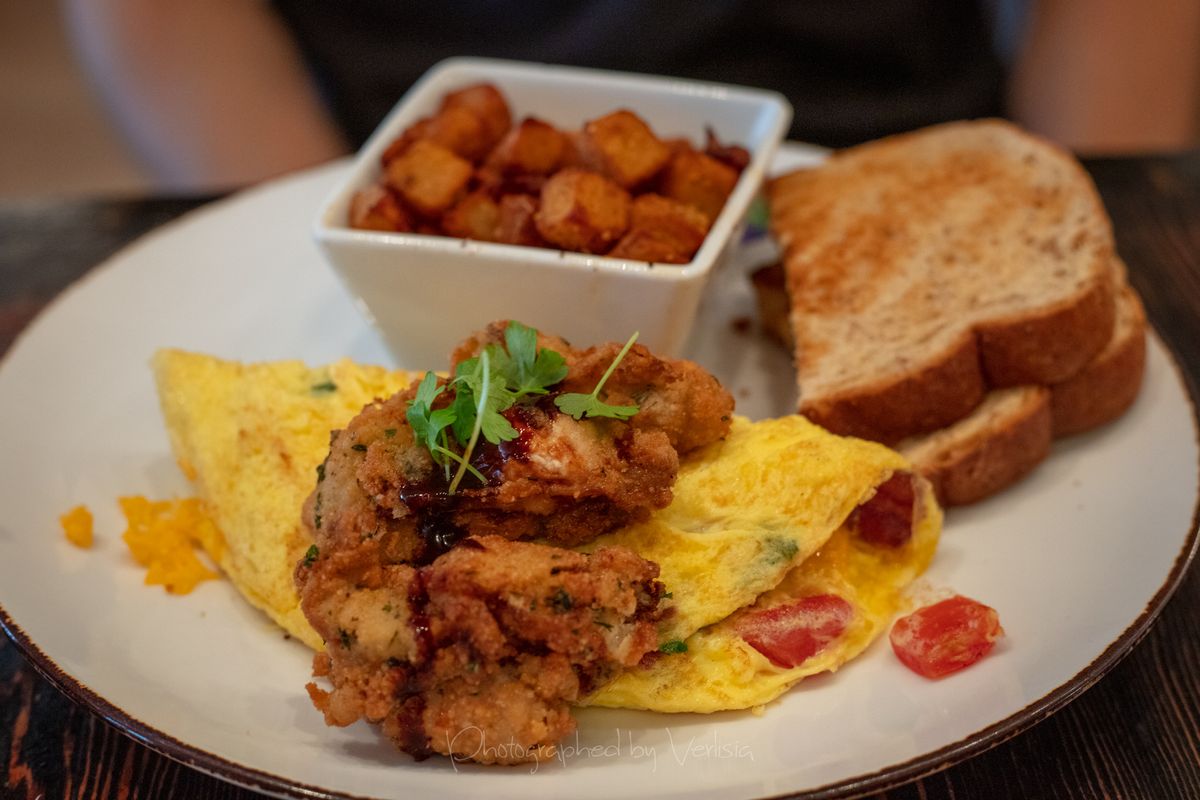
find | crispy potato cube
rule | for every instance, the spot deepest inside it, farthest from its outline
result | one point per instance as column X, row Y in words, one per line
column 457, row 129
column 643, row 244
column 573, row 151
column 491, row 180
column 533, row 147
column 516, row 225
column 700, row 181
column 678, row 144
column 418, row 130
column 653, row 211
column 622, row 146
column 487, row 103
column 461, row 131
column 474, row 217
column 376, row 208
column 662, row 230
column 429, row 177
column 582, row 211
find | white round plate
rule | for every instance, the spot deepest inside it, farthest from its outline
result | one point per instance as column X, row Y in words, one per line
column 1077, row 559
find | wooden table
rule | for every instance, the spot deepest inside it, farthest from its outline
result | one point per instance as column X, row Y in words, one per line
column 1136, row 734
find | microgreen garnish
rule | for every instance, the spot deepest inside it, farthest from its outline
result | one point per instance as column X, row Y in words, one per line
column 429, row 426
column 488, row 385
column 590, row 405
column 492, row 397
column 528, row 370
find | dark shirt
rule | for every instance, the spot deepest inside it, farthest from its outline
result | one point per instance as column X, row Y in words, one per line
column 853, row 69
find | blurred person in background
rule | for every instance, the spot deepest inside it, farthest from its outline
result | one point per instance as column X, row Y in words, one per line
column 221, row 93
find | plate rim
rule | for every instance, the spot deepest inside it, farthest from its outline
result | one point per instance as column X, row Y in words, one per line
column 888, row 777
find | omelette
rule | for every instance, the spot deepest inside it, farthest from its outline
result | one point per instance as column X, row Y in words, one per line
column 250, row 438
column 720, row 669
column 747, row 510
column 759, row 521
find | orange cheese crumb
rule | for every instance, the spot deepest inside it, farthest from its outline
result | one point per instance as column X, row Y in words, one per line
column 77, row 526
column 161, row 536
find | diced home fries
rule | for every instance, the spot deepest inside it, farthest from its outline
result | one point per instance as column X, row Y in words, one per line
column 613, row 187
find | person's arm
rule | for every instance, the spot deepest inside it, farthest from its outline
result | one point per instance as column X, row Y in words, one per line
column 211, row 94
column 1110, row 75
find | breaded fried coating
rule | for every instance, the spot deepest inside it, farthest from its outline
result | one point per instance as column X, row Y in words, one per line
column 479, row 654
column 563, row 480
column 438, row 624
column 676, row 396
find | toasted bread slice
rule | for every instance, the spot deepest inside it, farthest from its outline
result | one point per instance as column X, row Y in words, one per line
column 927, row 267
column 1009, row 433
column 250, row 438
column 1107, row 386
column 1005, row 437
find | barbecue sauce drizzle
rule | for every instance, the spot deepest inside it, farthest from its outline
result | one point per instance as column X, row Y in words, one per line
column 430, row 500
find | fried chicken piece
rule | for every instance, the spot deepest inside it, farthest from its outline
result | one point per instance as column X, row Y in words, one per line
column 561, row 479
column 441, row 627
column 675, row 396
column 479, row 654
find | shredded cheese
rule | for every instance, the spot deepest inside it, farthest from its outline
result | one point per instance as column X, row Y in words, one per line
column 162, row 536
column 77, row 526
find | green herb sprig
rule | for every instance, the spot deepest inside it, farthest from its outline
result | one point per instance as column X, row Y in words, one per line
column 589, row 405
column 488, row 385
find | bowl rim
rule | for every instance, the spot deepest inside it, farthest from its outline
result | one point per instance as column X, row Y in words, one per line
column 722, row 231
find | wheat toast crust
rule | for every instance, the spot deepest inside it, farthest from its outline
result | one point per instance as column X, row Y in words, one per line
column 981, row 463
column 1048, row 345
column 915, row 402
column 966, row 468
column 1107, row 386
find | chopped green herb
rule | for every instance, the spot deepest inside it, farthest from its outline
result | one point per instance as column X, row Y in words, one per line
column 779, row 550
column 360, row 447
column 387, row 608
column 323, row 387
column 310, row 555
column 673, row 647
column 667, row 595
column 389, row 432
column 561, row 602
column 590, row 405
column 346, row 637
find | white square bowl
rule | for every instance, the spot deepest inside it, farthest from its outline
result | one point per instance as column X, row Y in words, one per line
column 426, row 293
